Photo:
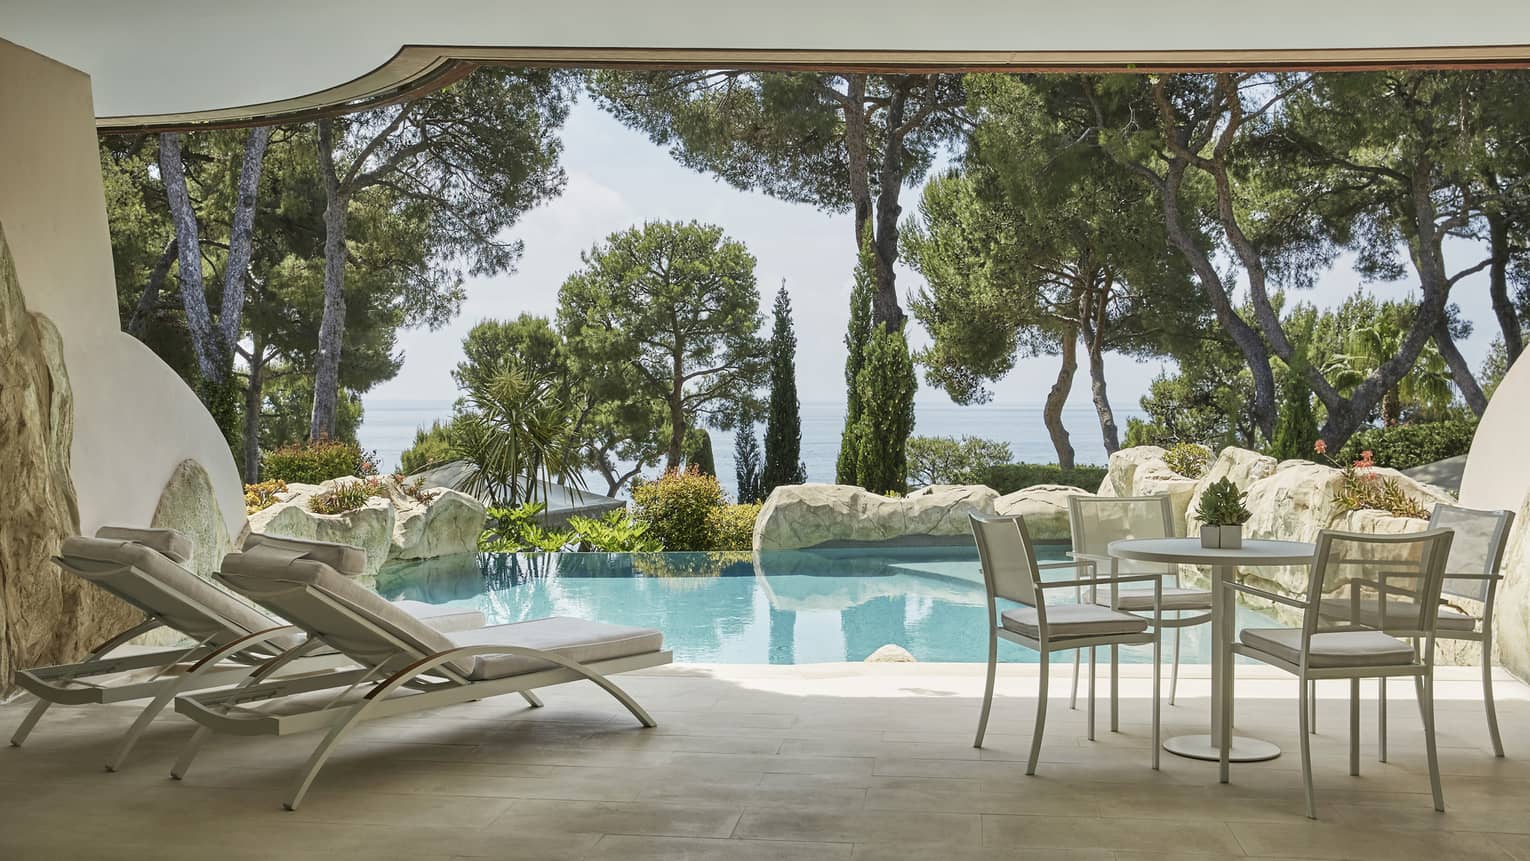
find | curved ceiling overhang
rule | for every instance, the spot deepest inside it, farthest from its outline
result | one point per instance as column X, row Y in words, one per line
column 186, row 63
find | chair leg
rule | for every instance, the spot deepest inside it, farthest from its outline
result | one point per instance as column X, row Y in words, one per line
column 1487, row 698
column 1425, row 691
column 1115, row 688
column 33, row 716
column 1157, row 683
column 189, row 752
column 1041, row 716
column 1174, row 672
column 993, row 655
column 1073, row 697
column 1090, row 710
column 1354, row 727
column 1381, row 718
column 532, row 699
column 140, row 726
column 1312, row 706
column 1306, row 691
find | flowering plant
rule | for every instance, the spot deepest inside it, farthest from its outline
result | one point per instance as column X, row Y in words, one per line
column 1360, row 487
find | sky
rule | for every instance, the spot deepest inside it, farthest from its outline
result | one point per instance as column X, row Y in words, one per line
column 617, row 179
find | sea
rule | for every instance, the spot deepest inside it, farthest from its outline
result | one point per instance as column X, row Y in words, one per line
column 388, row 427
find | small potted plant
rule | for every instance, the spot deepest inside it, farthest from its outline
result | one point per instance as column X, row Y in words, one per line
column 1223, row 513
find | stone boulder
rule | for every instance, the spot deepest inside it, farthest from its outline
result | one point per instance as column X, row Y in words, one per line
column 447, row 525
column 809, row 515
column 189, row 505
column 369, row 527
column 892, row 653
column 1142, row 471
column 1240, row 466
column 47, row 616
column 1045, row 508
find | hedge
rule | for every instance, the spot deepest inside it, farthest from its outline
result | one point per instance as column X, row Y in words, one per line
column 1406, row 446
column 1011, row 477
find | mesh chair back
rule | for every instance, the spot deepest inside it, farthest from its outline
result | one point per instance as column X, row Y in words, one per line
column 1477, row 549
column 1008, row 558
column 1095, row 521
column 1386, row 583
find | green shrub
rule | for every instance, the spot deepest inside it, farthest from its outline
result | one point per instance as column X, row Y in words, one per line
column 432, row 447
column 519, row 529
column 416, row 489
column 1189, row 459
column 732, row 526
column 1011, row 477
column 346, row 497
column 678, row 508
column 316, row 462
column 948, row 460
column 616, row 532
column 1406, row 446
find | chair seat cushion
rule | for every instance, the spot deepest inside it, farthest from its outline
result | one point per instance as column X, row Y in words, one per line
column 1174, row 598
column 1400, row 614
column 1333, row 649
column 442, row 617
column 1073, row 620
column 575, row 639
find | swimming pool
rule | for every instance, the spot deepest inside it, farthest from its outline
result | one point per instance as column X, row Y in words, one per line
column 787, row 607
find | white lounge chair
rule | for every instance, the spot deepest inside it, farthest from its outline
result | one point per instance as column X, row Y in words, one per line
column 405, row 666
column 231, row 637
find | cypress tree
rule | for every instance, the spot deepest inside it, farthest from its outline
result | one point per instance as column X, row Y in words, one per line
column 746, row 464
column 846, row 470
column 1296, row 427
column 783, row 424
column 886, row 385
column 697, row 451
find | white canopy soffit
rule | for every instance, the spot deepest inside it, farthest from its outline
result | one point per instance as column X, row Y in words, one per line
column 187, row 62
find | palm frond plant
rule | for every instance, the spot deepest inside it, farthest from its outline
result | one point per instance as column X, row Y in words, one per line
column 517, row 433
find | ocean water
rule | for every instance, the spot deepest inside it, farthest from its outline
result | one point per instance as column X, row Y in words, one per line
column 785, row 607
column 388, row 427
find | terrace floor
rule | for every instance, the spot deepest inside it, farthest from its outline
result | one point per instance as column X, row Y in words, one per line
column 756, row 762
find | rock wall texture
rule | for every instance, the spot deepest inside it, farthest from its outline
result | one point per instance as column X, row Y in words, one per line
column 46, row 615
column 189, row 504
column 811, row 515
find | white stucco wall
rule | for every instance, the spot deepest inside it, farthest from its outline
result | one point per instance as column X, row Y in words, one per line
column 135, row 420
column 140, row 53
column 1497, row 469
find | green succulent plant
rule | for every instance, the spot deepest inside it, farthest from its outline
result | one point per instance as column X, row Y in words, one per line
column 1222, row 504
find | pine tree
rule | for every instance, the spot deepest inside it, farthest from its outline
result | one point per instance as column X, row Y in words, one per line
column 746, row 464
column 846, row 471
column 783, row 425
column 886, row 386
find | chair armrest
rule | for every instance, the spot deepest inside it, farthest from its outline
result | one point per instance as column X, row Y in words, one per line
column 1472, row 576
column 1279, row 599
column 1103, row 581
column 1052, row 566
column 1092, row 557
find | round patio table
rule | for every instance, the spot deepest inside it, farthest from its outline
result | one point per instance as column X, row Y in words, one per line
column 1224, row 565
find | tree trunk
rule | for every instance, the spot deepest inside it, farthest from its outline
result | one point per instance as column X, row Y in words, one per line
column 204, row 342
column 1460, row 370
column 1498, row 288
column 858, row 155
column 241, row 236
column 138, row 324
column 1051, row 412
column 677, row 423
column 326, row 378
column 884, row 304
column 254, row 394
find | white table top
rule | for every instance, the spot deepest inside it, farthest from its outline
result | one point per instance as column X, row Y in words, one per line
column 1188, row 551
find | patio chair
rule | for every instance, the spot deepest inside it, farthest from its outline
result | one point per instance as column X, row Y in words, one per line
column 1399, row 577
column 403, row 666
column 1471, row 573
column 1095, row 521
column 230, row 637
column 1010, row 572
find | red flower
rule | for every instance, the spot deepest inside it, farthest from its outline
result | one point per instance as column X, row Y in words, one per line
column 1320, row 447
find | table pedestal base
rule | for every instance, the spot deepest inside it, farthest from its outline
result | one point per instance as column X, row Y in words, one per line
column 1200, row 747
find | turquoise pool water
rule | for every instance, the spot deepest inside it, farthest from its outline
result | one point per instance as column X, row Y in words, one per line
column 790, row 607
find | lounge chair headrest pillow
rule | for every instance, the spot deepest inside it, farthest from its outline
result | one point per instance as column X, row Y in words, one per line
column 172, row 543
column 344, row 558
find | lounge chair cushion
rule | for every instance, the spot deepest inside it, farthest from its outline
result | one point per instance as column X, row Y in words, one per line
column 277, row 576
column 575, row 639
column 1400, row 614
column 442, row 617
column 1332, row 649
column 171, row 542
column 345, row 558
column 148, row 579
column 1174, row 598
column 1073, row 620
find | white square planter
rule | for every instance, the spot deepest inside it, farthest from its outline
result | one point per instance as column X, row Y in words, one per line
column 1222, row 537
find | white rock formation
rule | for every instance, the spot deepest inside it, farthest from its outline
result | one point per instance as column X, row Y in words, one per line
column 807, row 515
column 891, row 653
column 1142, row 471
column 447, row 525
column 1045, row 508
